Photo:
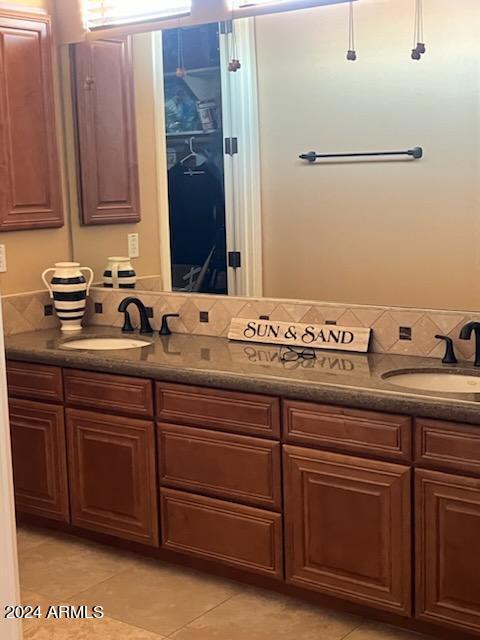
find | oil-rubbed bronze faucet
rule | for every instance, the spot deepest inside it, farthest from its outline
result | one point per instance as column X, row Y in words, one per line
column 145, row 326
column 449, row 357
column 165, row 329
column 466, row 334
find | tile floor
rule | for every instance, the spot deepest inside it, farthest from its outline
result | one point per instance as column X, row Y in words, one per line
column 145, row 600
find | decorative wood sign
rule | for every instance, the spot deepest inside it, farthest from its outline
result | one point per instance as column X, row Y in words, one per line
column 320, row 336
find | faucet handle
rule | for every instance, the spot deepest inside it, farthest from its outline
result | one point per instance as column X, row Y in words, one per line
column 165, row 329
column 127, row 325
column 449, row 357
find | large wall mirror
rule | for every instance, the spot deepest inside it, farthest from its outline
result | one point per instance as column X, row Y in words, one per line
column 202, row 162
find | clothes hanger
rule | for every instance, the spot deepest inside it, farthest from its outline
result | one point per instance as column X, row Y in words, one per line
column 193, row 154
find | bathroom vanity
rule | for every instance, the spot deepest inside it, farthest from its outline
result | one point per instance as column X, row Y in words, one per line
column 303, row 485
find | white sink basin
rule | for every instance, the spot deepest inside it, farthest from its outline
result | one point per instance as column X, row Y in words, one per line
column 443, row 381
column 105, row 344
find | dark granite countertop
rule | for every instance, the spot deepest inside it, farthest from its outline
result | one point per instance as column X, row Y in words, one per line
column 338, row 378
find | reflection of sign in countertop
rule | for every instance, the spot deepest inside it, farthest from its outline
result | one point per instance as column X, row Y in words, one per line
column 331, row 363
column 321, row 336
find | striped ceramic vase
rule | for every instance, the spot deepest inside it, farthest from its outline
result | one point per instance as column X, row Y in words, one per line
column 69, row 290
column 119, row 274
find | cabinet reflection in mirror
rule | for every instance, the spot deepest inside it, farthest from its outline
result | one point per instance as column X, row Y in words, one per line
column 200, row 156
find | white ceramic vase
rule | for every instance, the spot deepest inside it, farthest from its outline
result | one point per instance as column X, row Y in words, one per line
column 69, row 289
column 119, row 274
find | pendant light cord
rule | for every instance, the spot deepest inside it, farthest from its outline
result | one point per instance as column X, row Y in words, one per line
column 420, row 21
column 180, row 49
column 351, row 53
column 234, row 63
column 351, row 29
column 234, row 42
column 418, row 41
column 418, row 28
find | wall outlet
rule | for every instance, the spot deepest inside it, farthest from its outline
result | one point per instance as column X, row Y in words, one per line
column 3, row 258
column 133, row 245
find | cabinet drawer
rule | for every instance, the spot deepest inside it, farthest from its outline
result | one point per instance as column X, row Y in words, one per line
column 34, row 381
column 245, row 537
column 112, row 475
column 215, row 409
column 447, row 445
column 221, row 464
column 113, row 393
column 39, row 459
column 348, row 430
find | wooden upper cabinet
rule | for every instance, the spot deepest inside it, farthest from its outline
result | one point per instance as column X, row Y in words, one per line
column 30, row 192
column 104, row 100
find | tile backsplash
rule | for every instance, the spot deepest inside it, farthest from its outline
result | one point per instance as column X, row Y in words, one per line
column 398, row 330
column 395, row 329
column 28, row 312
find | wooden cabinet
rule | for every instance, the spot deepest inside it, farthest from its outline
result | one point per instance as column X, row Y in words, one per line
column 112, row 475
column 111, row 393
column 34, row 381
column 347, row 523
column 222, row 465
column 355, row 431
column 30, row 191
column 447, row 558
column 246, row 413
column 39, row 459
column 233, row 534
column 346, row 526
column 104, row 100
column 447, row 446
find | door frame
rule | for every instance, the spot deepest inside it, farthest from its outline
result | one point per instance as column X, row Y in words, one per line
column 243, row 170
column 161, row 161
column 9, row 582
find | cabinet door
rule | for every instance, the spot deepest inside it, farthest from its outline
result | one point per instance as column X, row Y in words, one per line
column 30, row 193
column 112, row 475
column 447, row 558
column 39, row 459
column 104, row 100
column 348, row 528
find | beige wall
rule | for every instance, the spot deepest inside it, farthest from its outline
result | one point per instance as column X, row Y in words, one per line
column 36, row 4
column 397, row 233
column 30, row 252
column 92, row 245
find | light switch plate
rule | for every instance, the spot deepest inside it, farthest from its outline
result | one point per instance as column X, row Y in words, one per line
column 133, row 245
column 3, row 258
